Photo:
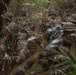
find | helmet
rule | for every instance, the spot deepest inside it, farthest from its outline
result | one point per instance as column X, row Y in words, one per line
column 7, row 16
column 72, row 18
column 13, row 28
column 52, row 12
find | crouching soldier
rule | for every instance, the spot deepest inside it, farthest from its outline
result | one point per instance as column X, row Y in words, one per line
column 18, row 50
column 8, row 45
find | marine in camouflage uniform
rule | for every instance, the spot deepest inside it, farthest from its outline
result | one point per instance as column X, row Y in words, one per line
column 14, row 46
column 20, row 51
column 4, row 44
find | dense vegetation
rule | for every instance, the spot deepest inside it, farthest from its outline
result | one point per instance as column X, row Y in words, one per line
column 44, row 60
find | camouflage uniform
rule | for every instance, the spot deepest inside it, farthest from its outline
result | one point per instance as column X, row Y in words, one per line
column 21, row 47
column 13, row 49
column 20, row 51
column 53, row 33
column 69, row 28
